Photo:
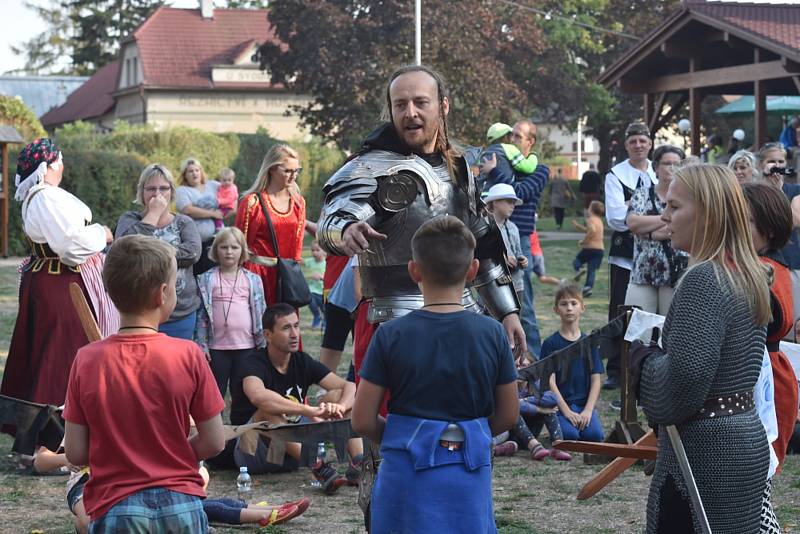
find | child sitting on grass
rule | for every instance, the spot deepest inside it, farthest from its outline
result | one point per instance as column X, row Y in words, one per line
column 533, row 414
column 129, row 400
column 453, row 385
column 592, row 247
column 578, row 388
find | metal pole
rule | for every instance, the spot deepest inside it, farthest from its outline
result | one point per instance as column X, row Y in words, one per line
column 580, row 148
column 418, row 32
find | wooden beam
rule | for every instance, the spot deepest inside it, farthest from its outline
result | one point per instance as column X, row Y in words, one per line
column 647, row 105
column 768, row 70
column 4, row 199
column 694, row 116
column 760, row 95
column 613, row 470
column 657, row 109
column 639, row 452
column 673, row 110
column 796, row 80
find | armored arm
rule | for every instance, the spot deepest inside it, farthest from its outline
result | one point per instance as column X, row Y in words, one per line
column 346, row 197
column 493, row 282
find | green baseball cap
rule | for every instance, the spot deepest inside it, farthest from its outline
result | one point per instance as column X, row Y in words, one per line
column 497, row 130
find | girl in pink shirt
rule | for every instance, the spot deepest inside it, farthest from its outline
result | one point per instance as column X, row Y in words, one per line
column 229, row 321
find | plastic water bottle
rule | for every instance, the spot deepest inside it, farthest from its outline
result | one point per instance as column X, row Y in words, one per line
column 244, row 485
column 320, row 456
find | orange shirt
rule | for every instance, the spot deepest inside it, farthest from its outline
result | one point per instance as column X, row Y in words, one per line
column 594, row 233
column 135, row 394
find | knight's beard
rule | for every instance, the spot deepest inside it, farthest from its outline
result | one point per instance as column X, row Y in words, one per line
column 429, row 138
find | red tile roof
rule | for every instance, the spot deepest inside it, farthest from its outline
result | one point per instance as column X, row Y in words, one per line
column 90, row 100
column 778, row 23
column 178, row 47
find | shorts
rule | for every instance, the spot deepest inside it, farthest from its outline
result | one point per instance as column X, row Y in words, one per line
column 338, row 325
column 154, row 510
column 75, row 493
column 538, row 265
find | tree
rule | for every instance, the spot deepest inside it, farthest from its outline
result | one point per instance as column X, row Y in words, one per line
column 342, row 52
column 608, row 112
column 100, row 26
column 88, row 32
column 45, row 52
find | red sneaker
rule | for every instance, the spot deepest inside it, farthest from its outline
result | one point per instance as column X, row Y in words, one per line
column 539, row 453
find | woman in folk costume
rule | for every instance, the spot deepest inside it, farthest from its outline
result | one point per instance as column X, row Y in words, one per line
column 65, row 249
column 275, row 193
column 771, row 227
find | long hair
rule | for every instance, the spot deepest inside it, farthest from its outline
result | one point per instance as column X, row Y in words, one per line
column 275, row 156
column 722, row 234
column 442, row 139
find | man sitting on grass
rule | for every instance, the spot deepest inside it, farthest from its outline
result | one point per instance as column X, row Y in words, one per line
column 273, row 387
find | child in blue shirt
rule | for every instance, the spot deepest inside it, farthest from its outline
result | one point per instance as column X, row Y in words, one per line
column 452, row 380
column 578, row 390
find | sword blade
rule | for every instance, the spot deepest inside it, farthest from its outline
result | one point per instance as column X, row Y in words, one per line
column 686, row 469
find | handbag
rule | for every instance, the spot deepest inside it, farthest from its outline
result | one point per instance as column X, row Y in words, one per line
column 292, row 285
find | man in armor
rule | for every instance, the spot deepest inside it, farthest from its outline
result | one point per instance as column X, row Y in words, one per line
column 405, row 174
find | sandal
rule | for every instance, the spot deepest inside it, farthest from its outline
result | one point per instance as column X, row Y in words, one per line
column 280, row 515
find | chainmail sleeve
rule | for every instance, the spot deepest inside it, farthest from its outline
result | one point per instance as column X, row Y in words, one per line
column 675, row 383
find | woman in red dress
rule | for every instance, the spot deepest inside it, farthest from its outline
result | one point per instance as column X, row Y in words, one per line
column 274, row 190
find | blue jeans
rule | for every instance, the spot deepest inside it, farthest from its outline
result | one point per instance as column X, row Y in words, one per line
column 180, row 328
column 593, row 258
column 317, row 310
column 528, row 315
column 592, row 432
column 156, row 511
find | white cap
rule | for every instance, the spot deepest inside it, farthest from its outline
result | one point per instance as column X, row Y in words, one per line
column 501, row 192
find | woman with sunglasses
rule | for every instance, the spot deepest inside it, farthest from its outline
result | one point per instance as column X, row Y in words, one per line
column 154, row 194
column 274, row 193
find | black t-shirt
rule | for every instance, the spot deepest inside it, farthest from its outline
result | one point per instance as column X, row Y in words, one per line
column 590, row 182
column 303, row 371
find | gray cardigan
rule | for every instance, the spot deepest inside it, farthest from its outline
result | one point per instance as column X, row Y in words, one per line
column 182, row 234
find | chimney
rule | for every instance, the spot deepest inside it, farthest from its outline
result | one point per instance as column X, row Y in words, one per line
column 207, row 9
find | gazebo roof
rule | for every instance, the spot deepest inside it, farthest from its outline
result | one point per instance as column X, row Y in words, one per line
column 720, row 45
column 9, row 134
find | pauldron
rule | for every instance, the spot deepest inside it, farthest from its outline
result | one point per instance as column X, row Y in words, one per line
column 396, row 194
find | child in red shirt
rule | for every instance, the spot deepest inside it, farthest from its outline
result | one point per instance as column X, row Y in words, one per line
column 129, row 400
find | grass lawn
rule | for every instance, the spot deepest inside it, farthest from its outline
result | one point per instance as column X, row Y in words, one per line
column 529, row 497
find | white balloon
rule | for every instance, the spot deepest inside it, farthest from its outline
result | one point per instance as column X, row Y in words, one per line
column 738, row 134
column 684, row 125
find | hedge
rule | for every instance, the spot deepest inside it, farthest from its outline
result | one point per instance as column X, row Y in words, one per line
column 102, row 169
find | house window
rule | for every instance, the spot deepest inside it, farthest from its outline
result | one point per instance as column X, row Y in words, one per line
column 127, row 72
column 135, row 70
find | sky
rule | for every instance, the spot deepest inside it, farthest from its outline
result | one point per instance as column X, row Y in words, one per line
column 18, row 24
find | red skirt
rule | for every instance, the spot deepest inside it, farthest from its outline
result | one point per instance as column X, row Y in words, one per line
column 46, row 337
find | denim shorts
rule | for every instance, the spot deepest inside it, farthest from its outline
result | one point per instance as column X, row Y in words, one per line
column 156, row 511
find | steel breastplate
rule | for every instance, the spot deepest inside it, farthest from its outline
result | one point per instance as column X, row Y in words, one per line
column 410, row 198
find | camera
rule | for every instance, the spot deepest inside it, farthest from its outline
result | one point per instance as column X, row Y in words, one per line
column 785, row 171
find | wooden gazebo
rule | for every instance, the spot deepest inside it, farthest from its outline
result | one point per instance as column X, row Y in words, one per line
column 713, row 48
column 8, row 135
